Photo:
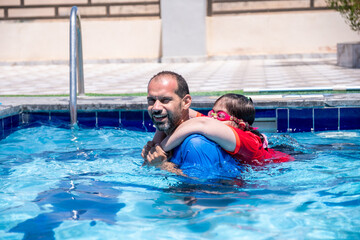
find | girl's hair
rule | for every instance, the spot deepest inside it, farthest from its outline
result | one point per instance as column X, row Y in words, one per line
column 241, row 107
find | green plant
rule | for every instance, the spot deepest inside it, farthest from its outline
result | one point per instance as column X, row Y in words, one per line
column 350, row 10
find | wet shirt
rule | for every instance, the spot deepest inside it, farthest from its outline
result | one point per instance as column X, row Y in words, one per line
column 250, row 150
column 202, row 158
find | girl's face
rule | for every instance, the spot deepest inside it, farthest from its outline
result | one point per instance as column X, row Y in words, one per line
column 221, row 113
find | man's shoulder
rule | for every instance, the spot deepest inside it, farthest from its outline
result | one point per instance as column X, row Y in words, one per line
column 195, row 146
column 197, row 140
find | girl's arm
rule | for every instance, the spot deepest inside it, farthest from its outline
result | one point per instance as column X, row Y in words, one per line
column 213, row 129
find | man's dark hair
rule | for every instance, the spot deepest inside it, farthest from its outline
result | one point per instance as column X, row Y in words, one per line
column 182, row 89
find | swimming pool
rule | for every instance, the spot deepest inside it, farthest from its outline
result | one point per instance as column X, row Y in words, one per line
column 88, row 183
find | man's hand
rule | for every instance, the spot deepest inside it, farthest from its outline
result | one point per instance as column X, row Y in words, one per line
column 146, row 149
column 154, row 156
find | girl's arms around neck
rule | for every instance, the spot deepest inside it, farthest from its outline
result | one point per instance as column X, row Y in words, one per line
column 213, row 129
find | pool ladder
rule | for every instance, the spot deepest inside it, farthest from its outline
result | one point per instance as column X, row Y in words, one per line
column 76, row 63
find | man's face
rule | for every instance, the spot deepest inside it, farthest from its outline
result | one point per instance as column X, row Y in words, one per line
column 165, row 107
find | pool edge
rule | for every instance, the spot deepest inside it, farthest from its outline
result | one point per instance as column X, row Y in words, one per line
column 288, row 111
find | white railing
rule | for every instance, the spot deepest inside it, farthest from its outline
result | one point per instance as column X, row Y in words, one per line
column 76, row 63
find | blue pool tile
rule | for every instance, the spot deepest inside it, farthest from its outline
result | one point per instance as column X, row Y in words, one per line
column 132, row 120
column 149, row 126
column 108, row 119
column 326, row 119
column 39, row 117
column 265, row 113
column 7, row 126
column 301, row 120
column 62, row 117
column 282, row 120
column 148, row 123
column 1, row 129
column 7, row 123
column 15, row 121
column 87, row 119
column 349, row 118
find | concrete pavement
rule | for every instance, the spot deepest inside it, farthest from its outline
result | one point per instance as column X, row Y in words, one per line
column 234, row 73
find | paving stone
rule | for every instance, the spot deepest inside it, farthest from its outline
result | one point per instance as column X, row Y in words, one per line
column 302, row 72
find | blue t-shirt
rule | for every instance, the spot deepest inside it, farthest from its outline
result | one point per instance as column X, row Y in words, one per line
column 199, row 157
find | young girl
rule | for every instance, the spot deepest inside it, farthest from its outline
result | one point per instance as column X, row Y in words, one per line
column 229, row 125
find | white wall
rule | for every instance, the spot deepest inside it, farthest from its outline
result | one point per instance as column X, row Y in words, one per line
column 277, row 33
column 102, row 39
column 274, row 33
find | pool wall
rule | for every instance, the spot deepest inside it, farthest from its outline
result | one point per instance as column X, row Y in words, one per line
column 272, row 120
column 273, row 114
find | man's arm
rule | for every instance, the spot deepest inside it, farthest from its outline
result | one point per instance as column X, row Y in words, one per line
column 155, row 156
column 158, row 137
column 158, row 158
column 171, row 167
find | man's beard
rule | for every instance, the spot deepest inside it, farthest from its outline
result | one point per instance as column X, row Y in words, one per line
column 168, row 126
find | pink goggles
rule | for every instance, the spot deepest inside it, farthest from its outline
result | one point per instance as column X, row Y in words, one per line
column 223, row 116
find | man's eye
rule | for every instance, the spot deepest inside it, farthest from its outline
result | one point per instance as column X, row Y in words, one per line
column 165, row 101
column 151, row 101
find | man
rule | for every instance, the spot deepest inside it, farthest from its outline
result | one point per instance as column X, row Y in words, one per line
column 168, row 106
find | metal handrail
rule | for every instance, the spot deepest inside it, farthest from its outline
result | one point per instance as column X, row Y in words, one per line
column 76, row 62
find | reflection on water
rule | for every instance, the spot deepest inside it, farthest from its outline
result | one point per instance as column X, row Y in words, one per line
column 83, row 200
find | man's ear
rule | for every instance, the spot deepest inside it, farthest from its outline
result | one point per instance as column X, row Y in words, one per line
column 186, row 101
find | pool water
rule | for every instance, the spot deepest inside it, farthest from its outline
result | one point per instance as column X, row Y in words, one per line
column 61, row 183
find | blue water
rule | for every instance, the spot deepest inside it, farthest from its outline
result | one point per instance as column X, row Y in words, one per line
column 58, row 183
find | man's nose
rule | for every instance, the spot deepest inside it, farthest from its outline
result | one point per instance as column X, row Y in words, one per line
column 157, row 105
